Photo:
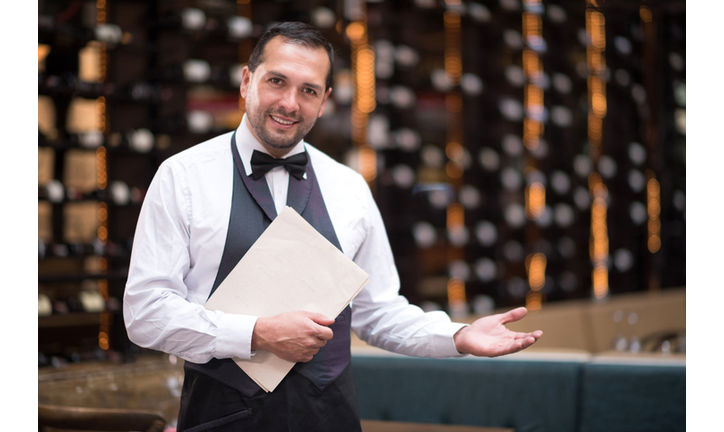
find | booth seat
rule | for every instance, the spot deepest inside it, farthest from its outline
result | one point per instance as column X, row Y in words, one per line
column 526, row 392
column 621, row 395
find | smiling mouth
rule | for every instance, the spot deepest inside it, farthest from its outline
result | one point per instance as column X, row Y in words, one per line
column 282, row 121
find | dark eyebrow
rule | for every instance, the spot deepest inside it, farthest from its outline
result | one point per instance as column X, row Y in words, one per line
column 316, row 87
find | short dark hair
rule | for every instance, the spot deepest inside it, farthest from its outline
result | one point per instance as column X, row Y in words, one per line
column 296, row 33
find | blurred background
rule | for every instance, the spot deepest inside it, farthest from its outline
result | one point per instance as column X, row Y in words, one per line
column 522, row 153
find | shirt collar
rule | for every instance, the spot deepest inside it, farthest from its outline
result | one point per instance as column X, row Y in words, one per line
column 246, row 143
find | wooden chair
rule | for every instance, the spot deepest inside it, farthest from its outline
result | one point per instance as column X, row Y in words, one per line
column 99, row 419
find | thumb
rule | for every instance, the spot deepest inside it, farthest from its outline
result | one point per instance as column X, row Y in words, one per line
column 320, row 319
column 514, row 315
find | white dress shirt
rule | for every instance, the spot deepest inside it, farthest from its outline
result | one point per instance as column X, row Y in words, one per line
column 180, row 238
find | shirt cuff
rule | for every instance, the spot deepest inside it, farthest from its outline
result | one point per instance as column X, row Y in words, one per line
column 234, row 337
column 446, row 347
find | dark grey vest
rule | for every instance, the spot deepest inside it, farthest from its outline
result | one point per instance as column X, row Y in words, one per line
column 252, row 210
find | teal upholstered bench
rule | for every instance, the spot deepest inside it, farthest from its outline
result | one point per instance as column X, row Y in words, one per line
column 524, row 395
column 528, row 394
column 633, row 397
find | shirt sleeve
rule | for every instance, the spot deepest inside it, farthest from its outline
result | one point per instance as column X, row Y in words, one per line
column 156, row 309
column 385, row 319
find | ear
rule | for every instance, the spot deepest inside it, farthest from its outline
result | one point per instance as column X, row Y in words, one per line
column 245, row 81
column 324, row 102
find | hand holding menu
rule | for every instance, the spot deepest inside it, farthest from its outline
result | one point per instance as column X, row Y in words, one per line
column 290, row 267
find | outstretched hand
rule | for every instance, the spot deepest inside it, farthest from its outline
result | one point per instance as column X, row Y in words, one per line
column 488, row 336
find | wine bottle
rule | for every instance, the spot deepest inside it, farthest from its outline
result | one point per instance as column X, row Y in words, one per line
column 192, row 71
column 92, row 301
column 45, row 306
column 141, row 140
column 120, row 192
column 189, row 19
column 53, row 191
column 231, row 28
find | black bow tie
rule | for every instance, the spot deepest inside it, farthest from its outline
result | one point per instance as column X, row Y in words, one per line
column 261, row 163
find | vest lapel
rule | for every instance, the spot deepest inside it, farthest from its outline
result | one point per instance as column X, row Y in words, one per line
column 259, row 189
column 300, row 190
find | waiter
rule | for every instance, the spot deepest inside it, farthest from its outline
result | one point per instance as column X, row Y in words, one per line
column 205, row 208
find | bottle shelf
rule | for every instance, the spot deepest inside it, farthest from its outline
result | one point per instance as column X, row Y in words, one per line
column 74, row 319
column 51, row 278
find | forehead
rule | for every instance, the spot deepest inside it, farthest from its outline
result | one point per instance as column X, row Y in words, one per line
column 292, row 59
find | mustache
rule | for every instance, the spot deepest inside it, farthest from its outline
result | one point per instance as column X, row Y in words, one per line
column 282, row 113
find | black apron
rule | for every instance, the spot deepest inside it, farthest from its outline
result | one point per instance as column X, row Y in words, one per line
column 316, row 396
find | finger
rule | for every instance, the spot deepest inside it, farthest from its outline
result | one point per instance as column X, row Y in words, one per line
column 324, row 333
column 535, row 335
column 513, row 315
column 314, row 345
column 304, row 359
column 321, row 319
column 527, row 342
column 516, row 346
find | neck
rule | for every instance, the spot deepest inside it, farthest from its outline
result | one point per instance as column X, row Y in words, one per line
column 277, row 153
column 273, row 151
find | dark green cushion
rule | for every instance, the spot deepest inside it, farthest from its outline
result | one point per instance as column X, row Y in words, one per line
column 525, row 395
column 636, row 398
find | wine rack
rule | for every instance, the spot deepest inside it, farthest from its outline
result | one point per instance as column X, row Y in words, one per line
column 122, row 85
column 470, row 120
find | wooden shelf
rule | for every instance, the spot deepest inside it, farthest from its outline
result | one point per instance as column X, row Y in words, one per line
column 69, row 320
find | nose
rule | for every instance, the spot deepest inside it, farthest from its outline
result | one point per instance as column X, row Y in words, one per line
column 288, row 101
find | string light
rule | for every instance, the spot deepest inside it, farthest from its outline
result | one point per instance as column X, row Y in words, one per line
column 598, row 244
column 455, row 216
column 535, row 200
column 101, row 18
column 532, row 65
column 653, row 188
column 653, row 195
column 368, row 162
column 102, row 182
column 596, row 61
column 597, row 109
column 533, row 300
column 103, row 212
column 454, row 151
column 533, row 129
column 101, row 172
column 532, row 132
column 457, row 300
column 645, row 13
column 454, row 148
column 597, row 87
column 535, row 264
column 453, row 56
column 364, row 101
column 532, row 25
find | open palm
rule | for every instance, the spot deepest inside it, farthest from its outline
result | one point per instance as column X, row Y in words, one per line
column 488, row 336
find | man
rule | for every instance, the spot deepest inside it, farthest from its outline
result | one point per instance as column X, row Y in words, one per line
column 208, row 204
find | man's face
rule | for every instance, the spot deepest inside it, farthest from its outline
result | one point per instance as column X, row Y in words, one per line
column 285, row 95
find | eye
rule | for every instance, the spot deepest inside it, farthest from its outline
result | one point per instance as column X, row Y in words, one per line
column 275, row 80
column 309, row 91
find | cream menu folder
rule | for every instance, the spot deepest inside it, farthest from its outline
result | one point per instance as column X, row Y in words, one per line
column 290, row 267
